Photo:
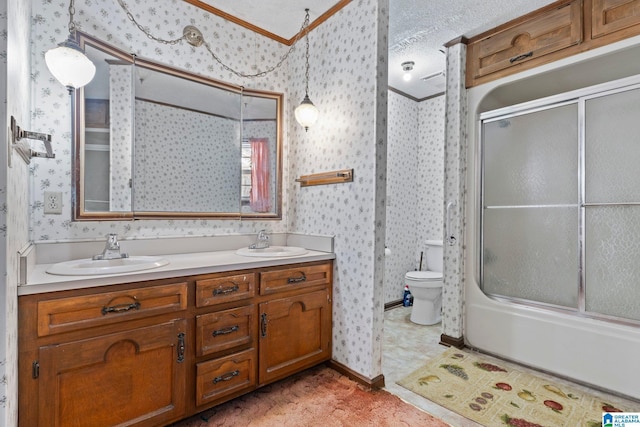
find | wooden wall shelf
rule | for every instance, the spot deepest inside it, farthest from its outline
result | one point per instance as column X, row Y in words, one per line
column 332, row 177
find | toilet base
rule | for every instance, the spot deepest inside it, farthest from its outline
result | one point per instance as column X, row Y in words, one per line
column 426, row 312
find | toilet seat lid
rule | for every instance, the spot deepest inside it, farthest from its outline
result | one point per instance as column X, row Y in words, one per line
column 424, row 275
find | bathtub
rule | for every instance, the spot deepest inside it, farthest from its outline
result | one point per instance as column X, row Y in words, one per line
column 602, row 354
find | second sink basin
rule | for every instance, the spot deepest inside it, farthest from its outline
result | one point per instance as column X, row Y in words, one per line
column 273, row 251
column 88, row 267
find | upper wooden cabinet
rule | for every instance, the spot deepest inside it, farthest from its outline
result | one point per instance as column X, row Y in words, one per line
column 527, row 39
column 532, row 38
column 559, row 30
column 609, row 16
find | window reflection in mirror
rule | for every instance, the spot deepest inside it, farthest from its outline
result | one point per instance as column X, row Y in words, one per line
column 156, row 142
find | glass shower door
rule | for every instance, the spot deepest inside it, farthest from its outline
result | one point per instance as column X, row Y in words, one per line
column 530, row 213
column 612, row 204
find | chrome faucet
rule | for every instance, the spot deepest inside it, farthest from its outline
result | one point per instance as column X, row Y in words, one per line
column 262, row 241
column 111, row 249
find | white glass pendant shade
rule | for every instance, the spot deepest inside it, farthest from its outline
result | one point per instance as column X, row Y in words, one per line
column 69, row 65
column 306, row 113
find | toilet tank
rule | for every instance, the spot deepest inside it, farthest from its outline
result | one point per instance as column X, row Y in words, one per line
column 434, row 255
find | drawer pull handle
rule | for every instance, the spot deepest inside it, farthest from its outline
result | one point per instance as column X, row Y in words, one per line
column 226, row 331
column 120, row 308
column 297, row 279
column 521, row 57
column 263, row 325
column 181, row 347
column 224, row 291
column 226, row 377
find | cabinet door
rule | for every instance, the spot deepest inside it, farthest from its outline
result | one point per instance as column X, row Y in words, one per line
column 609, row 16
column 134, row 377
column 295, row 333
column 526, row 39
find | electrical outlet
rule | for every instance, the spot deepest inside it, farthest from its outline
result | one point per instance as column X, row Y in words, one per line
column 52, row 202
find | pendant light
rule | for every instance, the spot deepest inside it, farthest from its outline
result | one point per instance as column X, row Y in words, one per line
column 67, row 62
column 306, row 112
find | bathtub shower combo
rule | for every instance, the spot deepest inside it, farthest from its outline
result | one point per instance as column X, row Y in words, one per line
column 558, row 248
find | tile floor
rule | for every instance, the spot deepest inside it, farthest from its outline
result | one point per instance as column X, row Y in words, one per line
column 408, row 346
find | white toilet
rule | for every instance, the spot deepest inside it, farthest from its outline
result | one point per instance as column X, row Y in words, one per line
column 426, row 287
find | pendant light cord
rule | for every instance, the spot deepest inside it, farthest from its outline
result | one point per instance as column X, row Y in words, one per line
column 72, row 11
column 304, row 28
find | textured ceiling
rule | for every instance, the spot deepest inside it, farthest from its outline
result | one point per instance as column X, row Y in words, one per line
column 418, row 29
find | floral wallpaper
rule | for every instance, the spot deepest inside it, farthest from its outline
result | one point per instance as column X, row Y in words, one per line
column 104, row 19
column 430, row 179
column 454, row 190
column 403, row 154
column 197, row 177
column 348, row 85
column 14, row 232
column 120, row 129
column 415, row 183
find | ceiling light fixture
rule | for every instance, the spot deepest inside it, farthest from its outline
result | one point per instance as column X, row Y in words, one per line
column 407, row 67
column 67, row 62
column 306, row 112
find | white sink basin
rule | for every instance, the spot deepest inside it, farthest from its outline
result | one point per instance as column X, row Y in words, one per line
column 88, row 267
column 273, row 251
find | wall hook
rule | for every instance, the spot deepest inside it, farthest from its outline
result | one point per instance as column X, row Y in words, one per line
column 25, row 150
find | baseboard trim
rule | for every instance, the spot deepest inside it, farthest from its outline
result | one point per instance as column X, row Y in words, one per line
column 392, row 304
column 371, row 384
column 451, row 341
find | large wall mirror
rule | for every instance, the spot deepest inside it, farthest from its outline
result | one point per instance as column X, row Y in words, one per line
column 152, row 141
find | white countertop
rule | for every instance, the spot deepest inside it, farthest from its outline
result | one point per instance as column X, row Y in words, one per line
column 185, row 264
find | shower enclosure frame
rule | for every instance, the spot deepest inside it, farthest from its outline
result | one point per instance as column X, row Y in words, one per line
column 579, row 98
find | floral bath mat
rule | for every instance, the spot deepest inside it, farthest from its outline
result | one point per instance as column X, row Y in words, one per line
column 495, row 394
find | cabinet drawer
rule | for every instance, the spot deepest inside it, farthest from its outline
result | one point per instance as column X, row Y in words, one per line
column 543, row 33
column 225, row 329
column 224, row 289
column 609, row 16
column 69, row 314
column 294, row 278
column 218, row 378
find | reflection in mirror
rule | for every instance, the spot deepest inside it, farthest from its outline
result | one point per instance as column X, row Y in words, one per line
column 187, row 145
column 106, row 132
column 156, row 142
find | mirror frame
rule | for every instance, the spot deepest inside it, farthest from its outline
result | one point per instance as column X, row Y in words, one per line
column 78, row 142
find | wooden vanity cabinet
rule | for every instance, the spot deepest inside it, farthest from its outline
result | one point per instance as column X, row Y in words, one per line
column 106, row 358
column 295, row 323
column 152, row 353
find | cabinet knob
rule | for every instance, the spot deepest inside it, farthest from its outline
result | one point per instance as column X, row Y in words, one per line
column 263, row 325
column 300, row 279
column 521, row 57
column 226, row 377
column 224, row 291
